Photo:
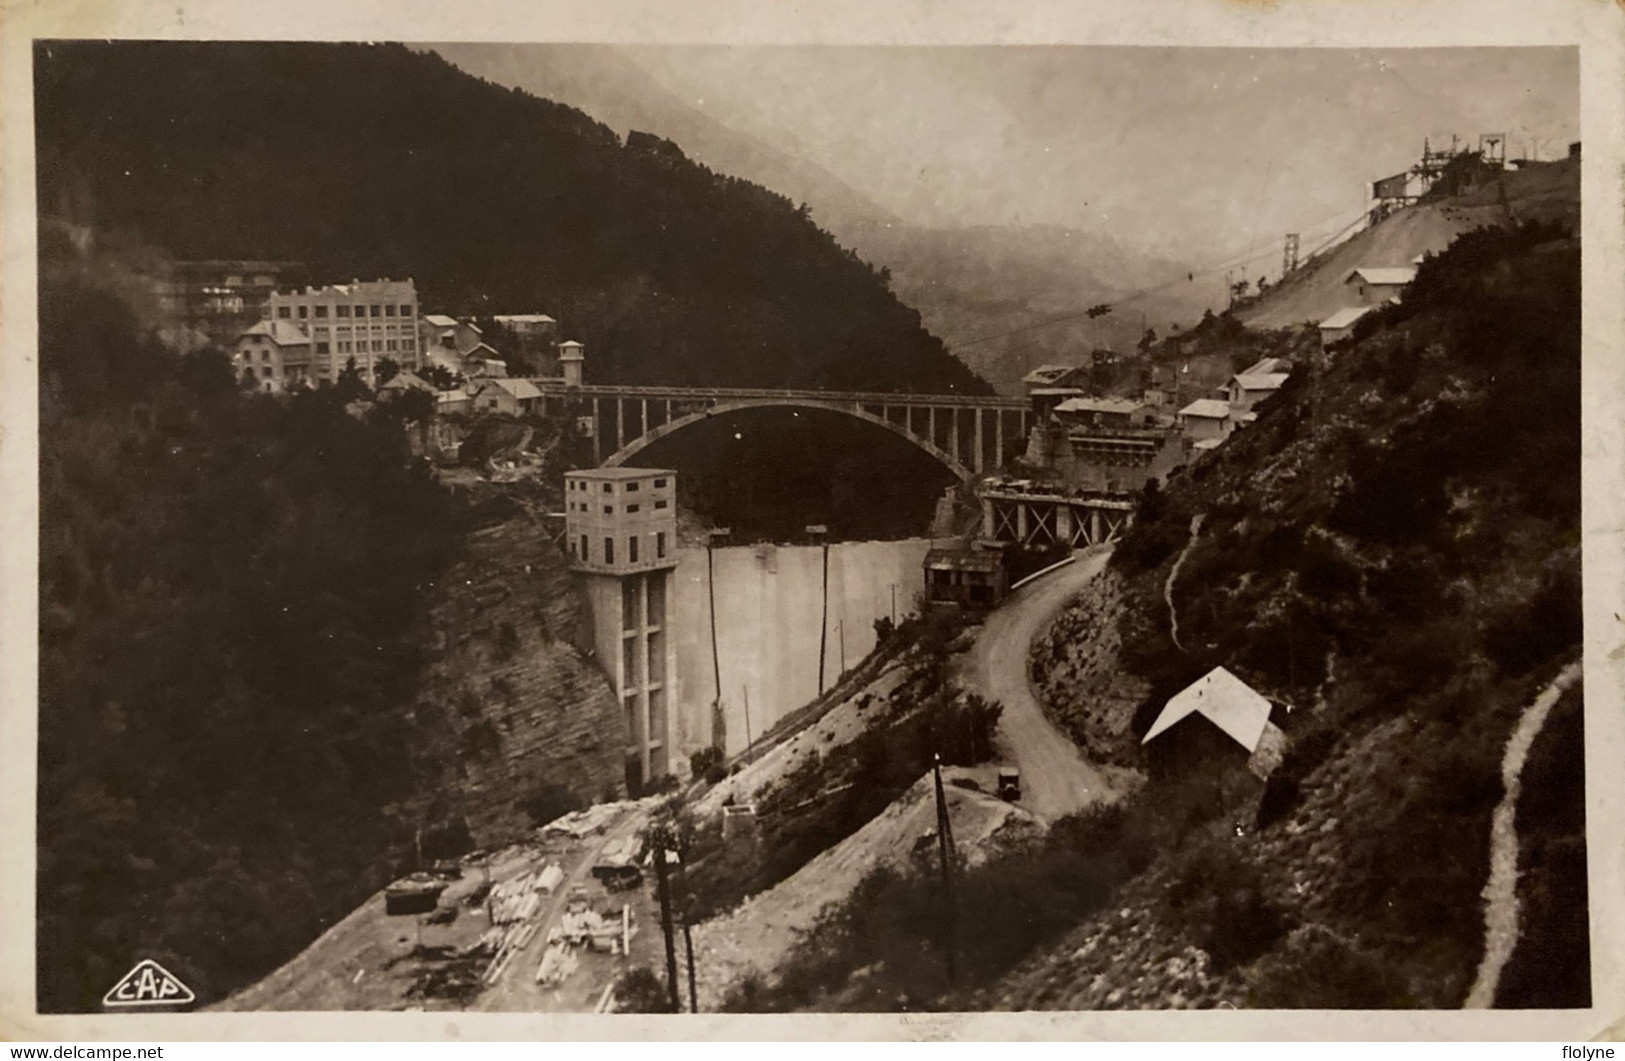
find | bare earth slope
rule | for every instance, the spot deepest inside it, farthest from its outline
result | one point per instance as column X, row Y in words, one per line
column 1545, row 191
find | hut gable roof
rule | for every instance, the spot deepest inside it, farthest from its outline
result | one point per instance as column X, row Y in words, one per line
column 1223, row 699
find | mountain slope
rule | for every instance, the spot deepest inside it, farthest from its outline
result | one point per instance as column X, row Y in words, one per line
column 968, row 283
column 1548, row 191
column 603, row 82
column 1391, row 554
column 372, row 160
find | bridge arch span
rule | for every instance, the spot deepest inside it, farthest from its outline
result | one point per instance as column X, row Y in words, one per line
column 653, row 435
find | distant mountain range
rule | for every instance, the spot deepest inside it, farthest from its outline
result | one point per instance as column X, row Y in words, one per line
column 987, row 291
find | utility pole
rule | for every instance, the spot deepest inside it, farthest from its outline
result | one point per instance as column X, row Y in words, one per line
column 688, row 935
column 711, row 599
column 664, row 889
column 945, row 845
column 840, row 634
column 748, row 739
column 823, row 622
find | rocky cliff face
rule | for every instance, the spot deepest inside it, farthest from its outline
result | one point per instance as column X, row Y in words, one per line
column 526, row 719
column 1075, row 672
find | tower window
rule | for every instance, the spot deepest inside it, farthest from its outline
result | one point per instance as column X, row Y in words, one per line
column 609, row 550
column 660, row 545
column 632, row 549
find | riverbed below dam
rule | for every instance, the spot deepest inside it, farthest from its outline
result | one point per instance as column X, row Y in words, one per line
column 774, row 604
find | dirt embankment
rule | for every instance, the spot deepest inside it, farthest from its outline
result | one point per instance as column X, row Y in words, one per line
column 755, row 937
column 1076, row 677
column 1544, row 191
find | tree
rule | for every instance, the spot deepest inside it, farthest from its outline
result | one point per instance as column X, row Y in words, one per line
column 351, row 387
column 387, row 369
column 1147, row 340
column 441, row 377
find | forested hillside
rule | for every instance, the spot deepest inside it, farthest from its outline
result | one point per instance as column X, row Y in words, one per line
column 226, row 583
column 373, row 160
column 1391, row 554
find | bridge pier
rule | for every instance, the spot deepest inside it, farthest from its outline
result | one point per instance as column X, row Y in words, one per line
column 597, row 434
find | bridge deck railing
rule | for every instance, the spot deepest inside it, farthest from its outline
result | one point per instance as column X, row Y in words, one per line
column 554, row 389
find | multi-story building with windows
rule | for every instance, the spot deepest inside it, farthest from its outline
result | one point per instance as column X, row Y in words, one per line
column 622, row 530
column 366, row 320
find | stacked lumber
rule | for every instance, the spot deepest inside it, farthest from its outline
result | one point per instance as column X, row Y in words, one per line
column 513, row 906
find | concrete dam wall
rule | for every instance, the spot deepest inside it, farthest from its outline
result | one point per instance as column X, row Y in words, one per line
column 770, row 600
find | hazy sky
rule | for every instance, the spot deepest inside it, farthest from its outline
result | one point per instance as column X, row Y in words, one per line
column 1193, row 152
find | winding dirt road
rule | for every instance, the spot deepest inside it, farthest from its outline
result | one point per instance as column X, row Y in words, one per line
column 1056, row 779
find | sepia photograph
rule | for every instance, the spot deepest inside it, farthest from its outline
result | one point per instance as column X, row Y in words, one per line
column 639, row 527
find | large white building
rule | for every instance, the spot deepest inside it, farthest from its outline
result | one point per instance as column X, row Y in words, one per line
column 368, row 320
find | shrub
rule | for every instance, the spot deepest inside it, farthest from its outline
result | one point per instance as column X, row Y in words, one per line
column 549, row 802
column 1551, row 622
column 709, row 764
column 1317, row 969
column 639, row 990
column 1281, row 795
column 449, row 839
column 1220, row 901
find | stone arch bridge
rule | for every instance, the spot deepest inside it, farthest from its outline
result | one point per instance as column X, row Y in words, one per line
column 967, row 434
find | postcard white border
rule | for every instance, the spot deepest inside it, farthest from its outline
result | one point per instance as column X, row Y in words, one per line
column 1596, row 26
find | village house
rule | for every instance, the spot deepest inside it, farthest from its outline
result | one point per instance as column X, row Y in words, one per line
column 513, row 397
column 1248, row 388
column 484, row 363
column 405, row 380
column 453, row 402
column 536, row 335
column 1375, row 285
column 447, row 341
column 1217, row 717
column 1340, row 325
column 965, row 577
column 274, row 354
column 1206, row 420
